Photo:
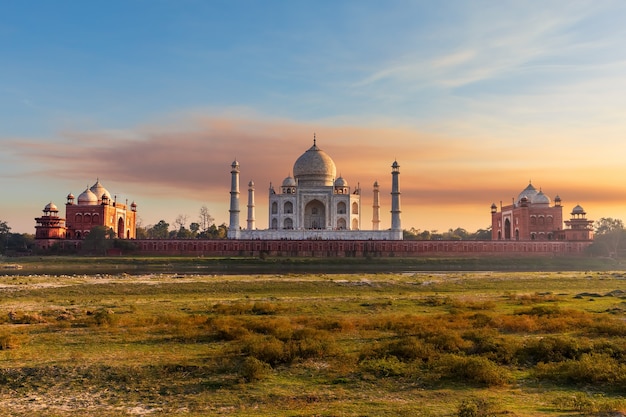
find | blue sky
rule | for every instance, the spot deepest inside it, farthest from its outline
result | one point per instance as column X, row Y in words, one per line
column 156, row 98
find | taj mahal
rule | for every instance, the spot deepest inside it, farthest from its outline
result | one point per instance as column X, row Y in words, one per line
column 314, row 204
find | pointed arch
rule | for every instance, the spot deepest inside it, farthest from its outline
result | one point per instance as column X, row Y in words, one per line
column 315, row 215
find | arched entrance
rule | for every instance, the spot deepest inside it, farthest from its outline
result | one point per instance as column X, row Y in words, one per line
column 507, row 229
column 315, row 215
column 120, row 228
column 341, row 224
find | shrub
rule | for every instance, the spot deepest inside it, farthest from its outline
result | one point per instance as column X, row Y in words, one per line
column 227, row 328
column 591, row 404
column 597, row 369
column 310, row 343
column 384, row 367
column 470, row 369
column 104, row 317
column 265, row 308
column 476, row 407
column 553, row 349
column 278, row 327
column 252, row 369
column 8, row 341
column 404, row 349
column 267, row 349
column 491, row 345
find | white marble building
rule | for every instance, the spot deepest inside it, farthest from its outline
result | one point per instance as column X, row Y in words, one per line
column 314, row 204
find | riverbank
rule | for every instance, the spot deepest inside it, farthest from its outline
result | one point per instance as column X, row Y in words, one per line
column 234, row 265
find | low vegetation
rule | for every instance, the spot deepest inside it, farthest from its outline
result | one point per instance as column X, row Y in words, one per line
column 425, row 344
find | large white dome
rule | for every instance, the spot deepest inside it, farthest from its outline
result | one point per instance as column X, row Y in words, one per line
column 99, row 190
column 314, row 167
column 529, row 192
column 87, row 197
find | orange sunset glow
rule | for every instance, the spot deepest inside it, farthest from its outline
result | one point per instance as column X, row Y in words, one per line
column 471, row 111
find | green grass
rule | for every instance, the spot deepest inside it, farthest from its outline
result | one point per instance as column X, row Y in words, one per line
column 381, row 344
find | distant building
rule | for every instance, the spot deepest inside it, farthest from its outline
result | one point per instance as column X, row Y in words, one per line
column 94, row 207
column 533, row 216
column 314, row 204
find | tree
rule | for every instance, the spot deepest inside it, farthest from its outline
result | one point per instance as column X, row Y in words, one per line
column 608, row 225
column 205, row 219
column 194, row 228
column 610, row 237
column 159, row 230
column 184, row 233
column 482, row 234
column 22, row 243
column 141, row 232
column 4, row 236
column 99, row 239
column 181, row 221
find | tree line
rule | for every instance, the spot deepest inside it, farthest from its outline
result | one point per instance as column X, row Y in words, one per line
column 203, row 228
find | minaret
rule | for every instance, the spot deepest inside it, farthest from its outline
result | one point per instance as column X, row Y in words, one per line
column 251, row 205
column 233, row 228
column 376, row 208
column 395, row 200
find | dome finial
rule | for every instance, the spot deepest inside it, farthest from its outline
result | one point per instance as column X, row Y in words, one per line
column 314, row 139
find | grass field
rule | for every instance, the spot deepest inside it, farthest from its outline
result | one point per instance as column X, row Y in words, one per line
column 378, row 344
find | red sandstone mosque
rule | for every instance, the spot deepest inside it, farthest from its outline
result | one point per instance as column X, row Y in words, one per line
column 94, row 207
column 533, row 216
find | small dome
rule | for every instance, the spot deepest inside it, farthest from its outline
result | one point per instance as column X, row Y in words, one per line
column 87, row 197
column 540, row 198
column 314, row 167
column 251, row 184
column 99, row 190
column 578, row 210
column 557, row 198
column 51, row 207
column 529, row 192
column 289, row 182
column 70, row 196
column 340, row 182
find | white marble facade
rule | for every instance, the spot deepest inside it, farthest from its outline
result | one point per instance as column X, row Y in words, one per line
column 313, row 204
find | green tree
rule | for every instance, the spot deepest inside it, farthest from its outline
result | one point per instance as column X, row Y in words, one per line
column 610, row 237
column 159, row 230
column 141, row 232
column 481, row 234
column 22, row 243
column 194, row 228
column 184, row 233
column 5, row 231
column 99, row 239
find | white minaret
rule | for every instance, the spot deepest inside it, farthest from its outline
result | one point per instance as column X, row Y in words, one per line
column 376, row 208
column 395, row 200
column 251, row 205
column 233, row 228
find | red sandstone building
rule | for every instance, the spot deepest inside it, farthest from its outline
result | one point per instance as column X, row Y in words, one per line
column 534, row 217
column 94, row 207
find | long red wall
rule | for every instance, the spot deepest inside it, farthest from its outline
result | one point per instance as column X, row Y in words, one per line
column 358, row 248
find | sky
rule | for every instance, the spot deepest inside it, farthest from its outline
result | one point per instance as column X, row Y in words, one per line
column 156, row 98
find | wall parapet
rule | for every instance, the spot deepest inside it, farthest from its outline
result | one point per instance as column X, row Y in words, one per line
column 359, row 248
